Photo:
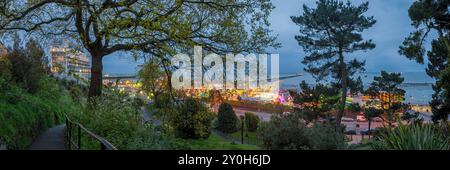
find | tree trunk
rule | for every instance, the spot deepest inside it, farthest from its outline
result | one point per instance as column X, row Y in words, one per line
column 368, row 131
column 96, row 84
column 390, row 114
column 344, row 89
column 342, row 105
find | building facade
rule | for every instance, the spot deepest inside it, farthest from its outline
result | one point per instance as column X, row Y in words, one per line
column 66, row 61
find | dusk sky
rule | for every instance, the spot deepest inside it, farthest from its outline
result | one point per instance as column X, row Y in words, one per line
column 393, row 25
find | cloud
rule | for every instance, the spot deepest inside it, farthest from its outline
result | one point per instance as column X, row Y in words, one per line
column 393, row 25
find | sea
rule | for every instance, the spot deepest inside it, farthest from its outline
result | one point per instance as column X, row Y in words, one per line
column 417, row 85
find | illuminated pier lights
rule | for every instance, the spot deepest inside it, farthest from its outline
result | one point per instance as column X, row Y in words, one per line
column 241, row 72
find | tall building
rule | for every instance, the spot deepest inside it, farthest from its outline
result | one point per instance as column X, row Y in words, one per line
column 69, row 62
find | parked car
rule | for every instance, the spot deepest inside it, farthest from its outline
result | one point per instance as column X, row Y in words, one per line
column 372, row 131
column 350, row 132
column 286, row 113
column 347, row 119
column 364, row 132
column 361, row 118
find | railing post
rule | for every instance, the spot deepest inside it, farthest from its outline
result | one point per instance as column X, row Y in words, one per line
column 70, row 135
column 67, row 125
column 79, row 137
column 102, row 146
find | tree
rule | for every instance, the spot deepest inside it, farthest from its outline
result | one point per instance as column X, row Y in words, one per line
column 316, row 101
column 5, row 67
column 28, row 64
column 412, row 116
column 354, row 108
column 370, row 113
column 192, row 120
column 153, row 80
column 329, row 32
column 386, row 89
column 227, row 119
column 152, row 27
column 251, row 121
column 428, row 15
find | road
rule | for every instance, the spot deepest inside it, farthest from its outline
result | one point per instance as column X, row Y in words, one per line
column 263, row 116
column 148, row 115
column 52, row 139
column 363, row 126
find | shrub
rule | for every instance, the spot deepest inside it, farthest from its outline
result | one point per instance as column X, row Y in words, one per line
column 227, row 120
column 326, row 137
column 114, row 117
column 251, row 121
column 411, row 137
column 291, row 132
column 283, row 132
column 192, row 120
column 24, row 116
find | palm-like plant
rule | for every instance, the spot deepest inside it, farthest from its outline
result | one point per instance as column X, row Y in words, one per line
column 412, row 137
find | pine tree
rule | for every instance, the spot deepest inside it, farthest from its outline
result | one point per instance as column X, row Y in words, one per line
column 428, row 15
column 388, row 84
column 328, row 33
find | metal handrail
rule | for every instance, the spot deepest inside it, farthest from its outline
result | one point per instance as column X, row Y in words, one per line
column 104, row 144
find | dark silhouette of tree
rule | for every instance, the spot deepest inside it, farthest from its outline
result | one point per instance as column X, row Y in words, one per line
column 428, row 15
column 27, row 64
column 355, row 108
column 227, row 119
column 386, row 89
column 151, row 27
column 329, row 32
column 316, row 101
column 369, row 114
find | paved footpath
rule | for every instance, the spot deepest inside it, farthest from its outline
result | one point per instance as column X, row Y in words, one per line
column 52, row 139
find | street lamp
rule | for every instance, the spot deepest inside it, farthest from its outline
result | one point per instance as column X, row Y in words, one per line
column 242, row 129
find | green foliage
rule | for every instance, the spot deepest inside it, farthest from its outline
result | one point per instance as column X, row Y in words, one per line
column 115, row 117
column 78, row 92
column 192, row 120
column 354, row 108
column 370, row 113
column 28, row 65
column 411, row 116
column 154, row 82
column 427, row 16
column 327, row 33
column 284, row 132
column 5, row 66
column 213, row 142
column 159, row 28
column 412, row 137
column 291, row 132
column 249, row 138
column 251, row 121
column 316, row 101
column 24, row 116
column 387, row 84
column 325, row 136
column 30, row 102
column 227, row 120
